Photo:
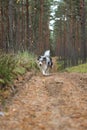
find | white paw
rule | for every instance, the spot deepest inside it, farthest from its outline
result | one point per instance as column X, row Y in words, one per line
column 45, row 73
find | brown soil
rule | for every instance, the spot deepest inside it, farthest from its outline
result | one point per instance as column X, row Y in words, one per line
column 55, row 102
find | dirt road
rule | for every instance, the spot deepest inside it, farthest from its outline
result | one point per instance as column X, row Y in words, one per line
column 56, row 102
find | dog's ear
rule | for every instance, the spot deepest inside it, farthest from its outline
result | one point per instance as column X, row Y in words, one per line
column 38, row 57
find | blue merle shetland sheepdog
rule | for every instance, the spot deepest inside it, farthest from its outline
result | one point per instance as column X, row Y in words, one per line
column 45, row 62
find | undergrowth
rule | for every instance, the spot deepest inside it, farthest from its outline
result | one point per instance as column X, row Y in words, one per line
column 12, row 67
column 27, row 61
column 7, row 65
column 80, row 68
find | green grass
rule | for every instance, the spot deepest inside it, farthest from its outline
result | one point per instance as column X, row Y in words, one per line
column 7, row 65
column 27, row 60
column 80, row 68
column 19, row 70
column 13, row 65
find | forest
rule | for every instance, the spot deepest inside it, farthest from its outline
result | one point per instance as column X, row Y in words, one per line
column 30, row 97
column 37, row 25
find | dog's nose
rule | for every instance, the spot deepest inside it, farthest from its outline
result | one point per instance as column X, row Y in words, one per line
column 40, row 63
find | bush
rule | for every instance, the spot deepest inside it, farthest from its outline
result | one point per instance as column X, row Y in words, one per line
column 27, row 60
column 13, row 65
column 7, row 65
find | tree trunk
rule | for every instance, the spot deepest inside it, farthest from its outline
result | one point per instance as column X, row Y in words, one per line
column 83, row 31
column 11, row 25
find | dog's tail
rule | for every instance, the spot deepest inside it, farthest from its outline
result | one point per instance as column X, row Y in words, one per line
column 47, row 53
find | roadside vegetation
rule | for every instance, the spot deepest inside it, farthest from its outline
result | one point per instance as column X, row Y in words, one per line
column 80, row 68
column 13, row 66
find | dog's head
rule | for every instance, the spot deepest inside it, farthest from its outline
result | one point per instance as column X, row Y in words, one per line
column 41, row 60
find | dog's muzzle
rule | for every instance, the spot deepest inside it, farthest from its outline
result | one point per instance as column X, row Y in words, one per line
column 40, row 63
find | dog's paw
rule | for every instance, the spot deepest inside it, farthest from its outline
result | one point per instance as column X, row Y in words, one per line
column 46, row 74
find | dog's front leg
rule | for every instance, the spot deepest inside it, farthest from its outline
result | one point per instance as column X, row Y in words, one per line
column 47, row 71
column 44, row 72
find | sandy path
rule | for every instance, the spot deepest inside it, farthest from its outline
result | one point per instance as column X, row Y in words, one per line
column 56, row 102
